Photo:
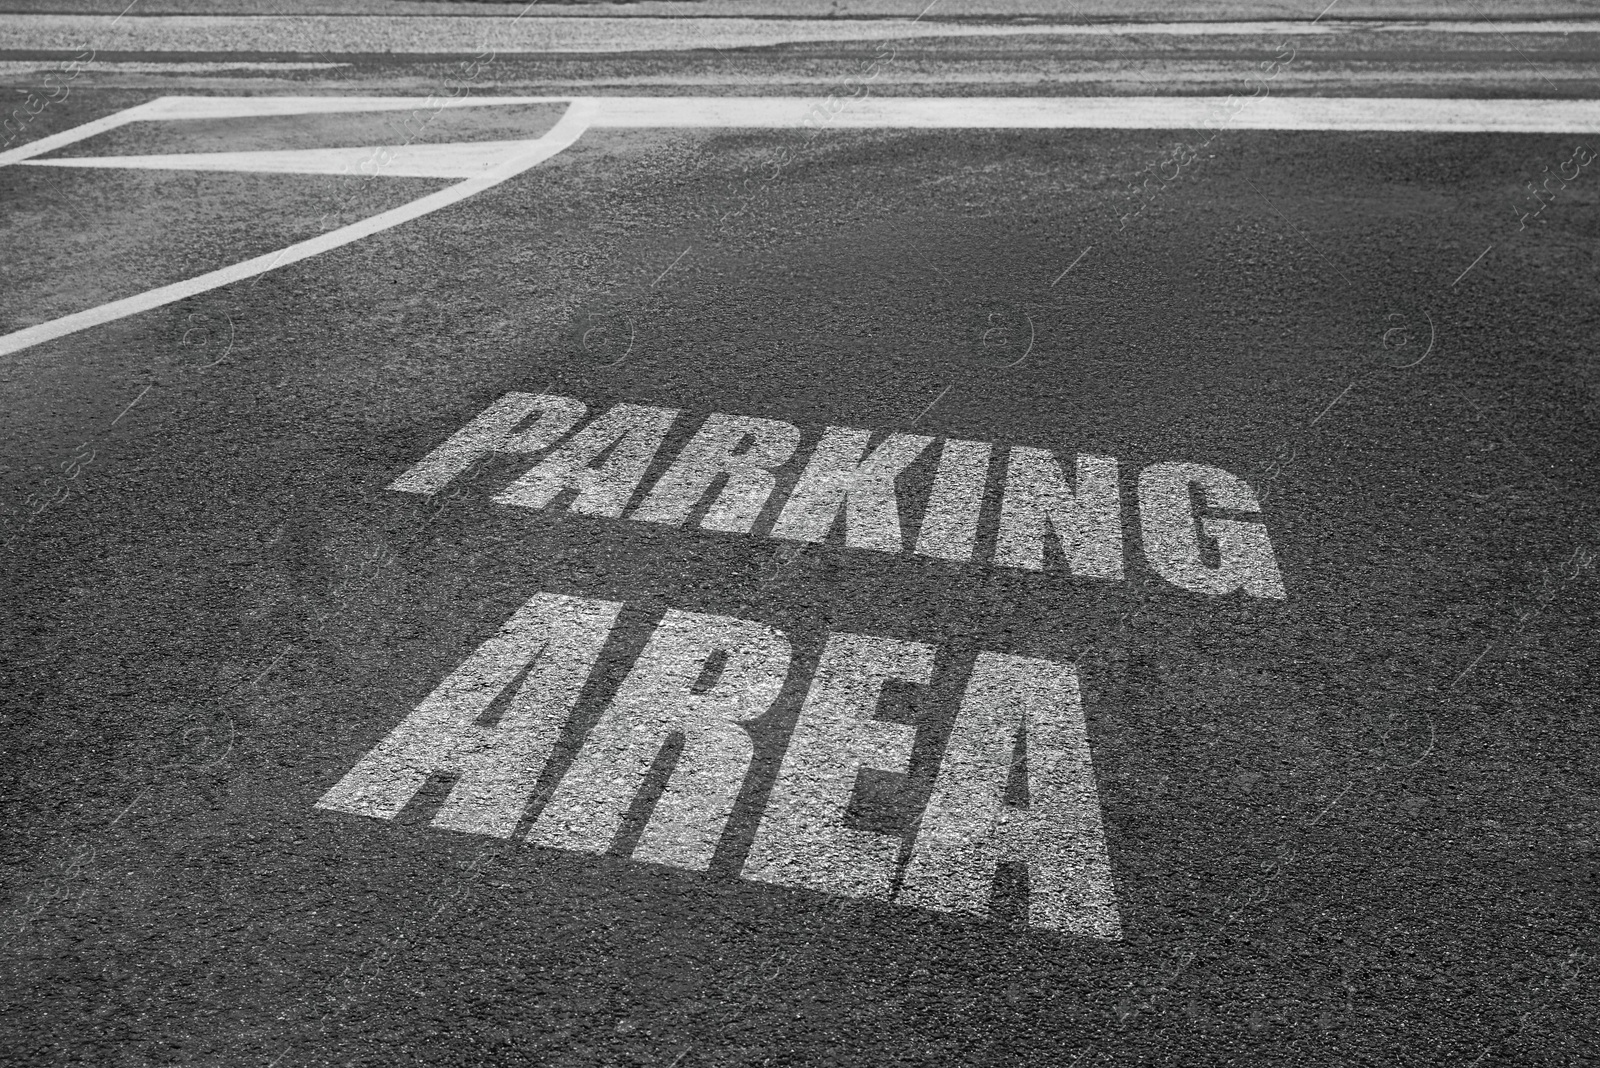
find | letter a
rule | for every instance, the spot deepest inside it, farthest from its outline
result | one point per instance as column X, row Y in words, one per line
column 552, row 642
column 968, row 829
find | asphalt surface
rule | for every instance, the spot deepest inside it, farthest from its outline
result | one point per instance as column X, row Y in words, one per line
column 1354, row 826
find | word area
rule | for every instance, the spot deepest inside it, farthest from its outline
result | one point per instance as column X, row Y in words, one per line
column 496, row 723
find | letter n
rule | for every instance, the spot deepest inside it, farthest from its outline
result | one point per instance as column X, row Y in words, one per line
column 1087, row 517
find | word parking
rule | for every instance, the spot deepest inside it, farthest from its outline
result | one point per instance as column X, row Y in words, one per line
column 735, row 462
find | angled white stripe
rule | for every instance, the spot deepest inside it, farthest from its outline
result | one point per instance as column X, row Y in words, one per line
column 563, row 134
column 242, row 107
column 78, row 133
column 168, row 108
column 451, row 160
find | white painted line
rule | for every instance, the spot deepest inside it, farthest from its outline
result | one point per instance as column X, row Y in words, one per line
column 111, row 66
column 1107, row 113
column 1400, row 114
column 448, row 160
column 563, row 134
column 242, row 107
column 1420, row 114
column 436, row 34
column 77, row 133
column 1396, row 114
column 618, row 112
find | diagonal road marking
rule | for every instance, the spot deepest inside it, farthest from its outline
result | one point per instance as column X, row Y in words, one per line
column 565, row 132
column 461, row 159
column 1395, row 114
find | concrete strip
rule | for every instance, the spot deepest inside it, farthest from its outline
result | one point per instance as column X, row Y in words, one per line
column 434, row 35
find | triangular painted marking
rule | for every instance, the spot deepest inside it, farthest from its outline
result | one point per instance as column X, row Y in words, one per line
column 464, row 159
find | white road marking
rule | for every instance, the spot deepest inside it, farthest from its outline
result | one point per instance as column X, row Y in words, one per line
column 741, row 447
column 112, row 66
column 442, row 34
column 566, row 131
column 1419, row 114
column 169, row 108
column 146, row 111
column 1167, row 522
column 967, row 828
column 536, row 667
column 843, row 476
column 1108, row 113
column 466, row 159
column 1084, row 513
column 617, row 112
column 802, row 840
column 1038, row 502
column 1399, row 114
column 495, row 430
column 950, row 525
column 499, row 765
column 629, row 434
column 657, row 700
